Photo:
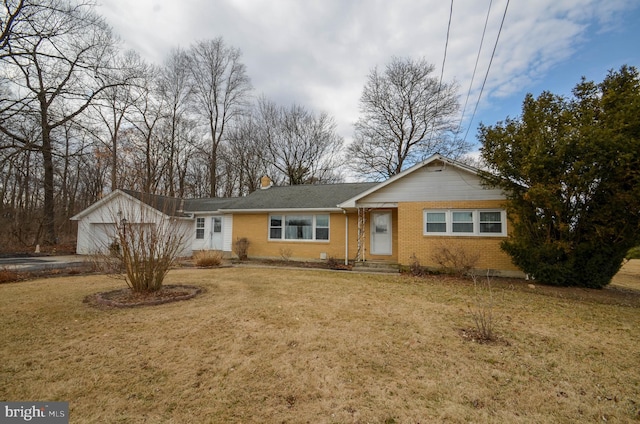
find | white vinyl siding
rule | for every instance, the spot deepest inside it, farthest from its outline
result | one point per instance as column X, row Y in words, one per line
column 435, row 182
column 465, row 222
column 227, row 232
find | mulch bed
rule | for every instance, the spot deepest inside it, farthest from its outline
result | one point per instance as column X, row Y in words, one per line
column 125, row 298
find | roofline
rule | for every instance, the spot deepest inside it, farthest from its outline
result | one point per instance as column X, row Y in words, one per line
column 113, row 194
column 351, row 203
column 98, row 204
column 336, row 209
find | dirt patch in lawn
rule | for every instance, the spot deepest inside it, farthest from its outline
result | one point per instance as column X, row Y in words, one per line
column 126, row 298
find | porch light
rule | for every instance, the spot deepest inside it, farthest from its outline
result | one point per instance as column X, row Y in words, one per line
column 123, row 223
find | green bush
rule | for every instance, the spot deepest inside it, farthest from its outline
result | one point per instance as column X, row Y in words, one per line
column 633, row 253
column 586, row 265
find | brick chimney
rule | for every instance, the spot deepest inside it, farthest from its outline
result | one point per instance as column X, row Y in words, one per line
column 265, row 182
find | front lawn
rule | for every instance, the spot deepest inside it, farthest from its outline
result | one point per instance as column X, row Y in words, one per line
column 274, row 345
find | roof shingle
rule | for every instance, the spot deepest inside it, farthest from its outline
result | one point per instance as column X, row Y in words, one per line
column 319, row 196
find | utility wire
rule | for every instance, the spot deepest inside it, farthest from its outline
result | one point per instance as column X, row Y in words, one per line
column 444, row 59
column 446, row 45
column 484, row 30
column 488, row 68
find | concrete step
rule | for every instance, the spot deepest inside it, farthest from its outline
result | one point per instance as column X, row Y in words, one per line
column 377, row 266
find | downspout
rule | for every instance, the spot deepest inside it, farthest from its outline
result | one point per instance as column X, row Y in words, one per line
column 346, row 237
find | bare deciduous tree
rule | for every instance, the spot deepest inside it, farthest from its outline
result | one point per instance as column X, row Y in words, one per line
column 11, row 9
column 406, row 115
column 53, row 68
column 244, row 157
column 114, row 105
column 221, row 88
column 302, row 146
column 176, row 89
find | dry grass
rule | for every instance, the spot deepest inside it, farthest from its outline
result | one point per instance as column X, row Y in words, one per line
column 272, row 345
column 208, row 258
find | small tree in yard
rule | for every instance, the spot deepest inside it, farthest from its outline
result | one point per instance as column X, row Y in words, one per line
column 481, row 308
column 144, row 249
column 571, row 171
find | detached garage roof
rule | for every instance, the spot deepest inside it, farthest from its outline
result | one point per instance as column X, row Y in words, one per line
column 170, row 206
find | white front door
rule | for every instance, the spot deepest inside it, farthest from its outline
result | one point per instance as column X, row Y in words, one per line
column 216, row 233
column 381, row 233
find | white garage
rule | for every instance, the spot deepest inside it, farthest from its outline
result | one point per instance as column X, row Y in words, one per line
column 99, row 223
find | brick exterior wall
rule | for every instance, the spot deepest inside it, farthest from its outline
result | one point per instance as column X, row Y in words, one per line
column 408, row 238
column 255, row 227
column 414, row 242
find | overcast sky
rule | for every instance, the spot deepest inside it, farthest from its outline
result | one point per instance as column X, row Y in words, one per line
column 318, row 53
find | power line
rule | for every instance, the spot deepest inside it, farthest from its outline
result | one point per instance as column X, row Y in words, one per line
column 444, row 59
column 446, row 45
column 484, row 30
column 504, row 15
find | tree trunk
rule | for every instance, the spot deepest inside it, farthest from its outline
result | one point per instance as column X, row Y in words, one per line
column 213, row 178
column 49, row 220
column 114, row 163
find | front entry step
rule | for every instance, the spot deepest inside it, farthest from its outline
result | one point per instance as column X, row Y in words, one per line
column 377, row 266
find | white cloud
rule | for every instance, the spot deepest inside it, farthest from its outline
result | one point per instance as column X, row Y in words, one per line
column 318, row 53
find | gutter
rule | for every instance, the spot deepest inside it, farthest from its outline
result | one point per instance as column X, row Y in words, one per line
column 280, row 210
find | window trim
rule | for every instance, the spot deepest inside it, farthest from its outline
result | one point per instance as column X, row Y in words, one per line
column 480, row 222
column 474, row 226
column 424, row 219
column 314, row 227
column 200, row 228
column 475, row 216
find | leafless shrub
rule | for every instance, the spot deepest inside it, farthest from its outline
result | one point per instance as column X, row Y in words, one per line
column 144, row 248
column 333, row 263
column 208, row 258
column 241, row 248
column 415, row 268
column 8, row 275
column 481, row 308
column 455, row 259
column 285, row 254
column 107, row 264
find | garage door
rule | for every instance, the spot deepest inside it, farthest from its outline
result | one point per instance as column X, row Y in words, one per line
column 101, row 237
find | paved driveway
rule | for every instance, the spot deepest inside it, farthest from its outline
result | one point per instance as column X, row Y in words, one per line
column 41, row 263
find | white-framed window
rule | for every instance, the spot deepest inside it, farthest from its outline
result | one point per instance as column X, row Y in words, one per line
column 462, row 222
column 216, row 224
column 199, row 228
column 465, row 222
column 299, row 227
column 491, row 222
column 322, row 227
column 435, row 222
